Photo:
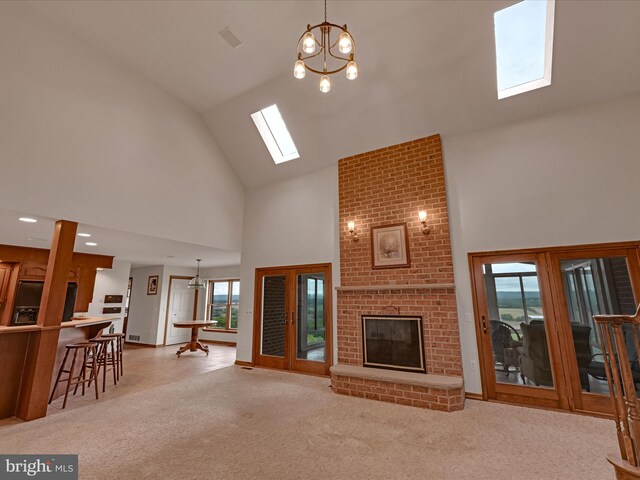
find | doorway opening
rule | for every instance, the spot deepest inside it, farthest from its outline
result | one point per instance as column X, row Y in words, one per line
column 182, row 306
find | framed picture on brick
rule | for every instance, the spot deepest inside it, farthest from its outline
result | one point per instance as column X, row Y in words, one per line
column 390, row 246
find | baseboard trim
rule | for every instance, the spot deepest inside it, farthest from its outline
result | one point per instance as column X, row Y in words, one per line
column 147, row 345
column 244, row 364
column 218, row 342
column 473, row 396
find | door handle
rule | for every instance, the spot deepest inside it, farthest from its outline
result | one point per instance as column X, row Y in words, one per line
column 484, row 325
column 286, row 319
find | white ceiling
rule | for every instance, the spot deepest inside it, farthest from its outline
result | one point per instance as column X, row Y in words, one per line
column 425, row 67
column 141, row 250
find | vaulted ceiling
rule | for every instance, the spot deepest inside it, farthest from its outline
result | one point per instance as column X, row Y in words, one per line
column 425, row 67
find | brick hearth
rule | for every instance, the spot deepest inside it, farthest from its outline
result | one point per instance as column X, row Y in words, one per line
column 384, row 187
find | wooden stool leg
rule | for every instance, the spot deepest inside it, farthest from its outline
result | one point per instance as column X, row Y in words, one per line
column 117, row 358
column 96, row 363
column 73, row 364
column 55, row 385
column 121, row 354
column 82, row 372
column 103, row 365
column 94, row 374
column 113, row 363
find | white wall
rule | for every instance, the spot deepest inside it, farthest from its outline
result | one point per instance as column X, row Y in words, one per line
column 562, row 179
column 287, row 223
column 112, row 281
column 144, row 310
column 100, row 145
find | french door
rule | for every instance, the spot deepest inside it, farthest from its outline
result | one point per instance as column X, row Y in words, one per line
column 292, row 318
column 589, row 282
column 521, row 356
column 534, row 315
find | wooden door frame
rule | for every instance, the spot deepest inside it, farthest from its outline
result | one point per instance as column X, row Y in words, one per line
column 268, row 361
column 309, row 366
column 290, row 361
column 557, row 301
column 166, row 316
column 584, row 401
column 553, row 397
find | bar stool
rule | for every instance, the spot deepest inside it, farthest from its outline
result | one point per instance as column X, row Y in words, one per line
column 88, row 352
column 103, row 358
column 119, row 338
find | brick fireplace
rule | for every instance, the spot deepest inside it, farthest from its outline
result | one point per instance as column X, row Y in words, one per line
column 385, row 187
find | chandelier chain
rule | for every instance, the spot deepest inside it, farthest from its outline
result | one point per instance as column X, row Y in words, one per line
column 325, row 10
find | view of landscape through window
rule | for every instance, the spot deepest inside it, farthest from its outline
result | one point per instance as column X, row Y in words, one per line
column 315, row 311
column 517, row 293
column 223, row 303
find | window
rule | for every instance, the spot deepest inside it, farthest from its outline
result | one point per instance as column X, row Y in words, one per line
column 275, row 134
column 524, row 46
column 223, row 298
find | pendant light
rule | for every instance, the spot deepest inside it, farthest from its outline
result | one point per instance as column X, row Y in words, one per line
column 197, row 282
column 321, row 53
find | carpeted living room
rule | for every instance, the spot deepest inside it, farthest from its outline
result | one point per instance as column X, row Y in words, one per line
column 319, row 239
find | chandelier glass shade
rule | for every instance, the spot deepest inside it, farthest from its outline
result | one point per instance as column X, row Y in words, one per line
column 196, row 282
column 326, row 49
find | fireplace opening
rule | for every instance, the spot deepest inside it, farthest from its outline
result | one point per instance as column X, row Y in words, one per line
column 393, row 342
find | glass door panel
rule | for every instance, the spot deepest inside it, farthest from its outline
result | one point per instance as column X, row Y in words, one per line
column 519, row 349
column 517, row 324
column 310, row 318
column 593, row 285
column 273, row 316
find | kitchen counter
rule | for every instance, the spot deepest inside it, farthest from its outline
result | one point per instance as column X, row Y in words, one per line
column 76, row 322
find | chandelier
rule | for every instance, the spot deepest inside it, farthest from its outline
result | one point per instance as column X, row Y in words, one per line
column 196, row 282
column 326, row 60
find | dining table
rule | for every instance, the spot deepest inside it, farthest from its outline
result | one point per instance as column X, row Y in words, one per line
column 195, row 344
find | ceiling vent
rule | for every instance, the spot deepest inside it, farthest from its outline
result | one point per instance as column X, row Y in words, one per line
column 229, row 37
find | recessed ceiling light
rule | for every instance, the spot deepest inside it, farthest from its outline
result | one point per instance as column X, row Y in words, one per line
column 91, row 244
column 84, row 234
column 28, row 220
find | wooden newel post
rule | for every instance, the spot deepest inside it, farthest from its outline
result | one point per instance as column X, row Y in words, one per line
column 43, row 344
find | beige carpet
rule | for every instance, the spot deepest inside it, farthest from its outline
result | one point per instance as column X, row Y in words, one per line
column 246, row 424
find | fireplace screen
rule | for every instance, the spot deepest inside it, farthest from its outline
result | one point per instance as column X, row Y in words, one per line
column 393, row 341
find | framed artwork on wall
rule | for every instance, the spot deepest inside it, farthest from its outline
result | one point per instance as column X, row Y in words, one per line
column 152, row 285
column 390, row 246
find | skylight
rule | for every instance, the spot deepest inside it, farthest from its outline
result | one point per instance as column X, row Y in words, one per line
column 524, row 46
column 275, row 134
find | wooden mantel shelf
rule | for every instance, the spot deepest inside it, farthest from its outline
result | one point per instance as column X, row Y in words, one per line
column 423, row 286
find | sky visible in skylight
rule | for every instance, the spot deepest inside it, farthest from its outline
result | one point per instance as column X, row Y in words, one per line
column 275, row 134
column 521, row 37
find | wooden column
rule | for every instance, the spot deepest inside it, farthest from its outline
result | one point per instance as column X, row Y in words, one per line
column 41, row 354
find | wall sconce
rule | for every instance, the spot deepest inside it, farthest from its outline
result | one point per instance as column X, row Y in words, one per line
column 422, row 215
column 352, row 231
